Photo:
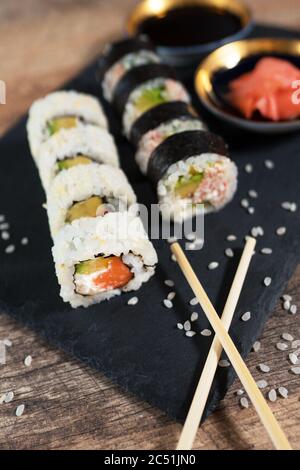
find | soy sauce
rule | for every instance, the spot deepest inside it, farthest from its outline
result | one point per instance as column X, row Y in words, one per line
column 188, row 26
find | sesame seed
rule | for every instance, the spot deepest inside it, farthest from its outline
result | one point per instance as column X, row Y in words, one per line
column 293, row 309
column 245, row 203
column 180, row 326
column 272, row 395
column 256, row 346
column 287, row 337
column 262, row 384
column 252, row 193
column 269, row 164
column 293, row 358
column 194, row 316
column 293, row 207
column 171, row 296
column 264, row 368
column 246, row 316
column 133, row 301
column 287, row 305
column 2, row 398
column 4, row 226
column 190, row 334
column 281, row 231
column 229, row 253
column 231, row 238
column 286, row 205
column 5, row 235
column 194, row 302
column 10, row 249
column 251, row 210
column 283, row 392
column 213, row 265
column 168, row 303
column 187, row 325
column 281, row 346
column 248, row 168
column 191, row 246
column 24, row 241
column 20, row 410
column 7, row 342
column 9, row 397
column 173, row 258
column 296, row 370
column 224, row 363
column 266, row 251
column 2, row 218
column 169, row 283
column 244, row 402
column 296, row 344
column 206, row 333
column 240, row 392
column 28, row 361
column 267, row 281
column 287, row 297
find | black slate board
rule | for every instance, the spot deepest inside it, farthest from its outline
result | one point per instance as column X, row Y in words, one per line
column 140, row 347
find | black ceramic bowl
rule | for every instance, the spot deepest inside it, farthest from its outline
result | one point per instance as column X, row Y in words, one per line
column 224, row 21
column 231, row 61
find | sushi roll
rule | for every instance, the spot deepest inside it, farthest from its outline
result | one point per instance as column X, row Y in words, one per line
column 87, row 191
column 97, row 259
column 152, row 139
column 192, row 171
column 121, row 57
column 150, row 94
column 61, row 110
column 78, row 146
column 159, row 115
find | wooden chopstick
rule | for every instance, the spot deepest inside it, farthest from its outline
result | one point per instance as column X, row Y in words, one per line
column 196, row 410
column 263, row 410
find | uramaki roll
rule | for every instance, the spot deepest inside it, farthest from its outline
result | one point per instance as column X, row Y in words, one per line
column 97, row 259
column 73, row 147
column 61, row 110
column 85, row 192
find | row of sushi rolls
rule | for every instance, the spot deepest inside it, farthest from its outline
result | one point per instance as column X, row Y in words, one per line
column 100, row 247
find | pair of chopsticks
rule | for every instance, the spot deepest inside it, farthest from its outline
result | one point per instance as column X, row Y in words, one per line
column 223, row 340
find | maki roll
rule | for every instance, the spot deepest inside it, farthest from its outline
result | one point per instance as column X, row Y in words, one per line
column 149, row 94
column 73, row 147
column 152, row 139
column 61, row 110
column 121, row 57
column 192, row 170
column 87, row 191
column 97, row 259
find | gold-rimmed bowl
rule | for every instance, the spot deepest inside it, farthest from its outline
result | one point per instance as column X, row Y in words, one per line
column 189, row 55
column 232, row 60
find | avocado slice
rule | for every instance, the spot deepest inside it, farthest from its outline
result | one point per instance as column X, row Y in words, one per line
column 70, row 162
column 87, row 208
column 93, row 265
column 186, row 187
column 57, row 124
column 149, row 98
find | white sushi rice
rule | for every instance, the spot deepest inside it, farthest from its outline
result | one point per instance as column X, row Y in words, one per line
column 179, row 209
column 90, row 141
column 152, row 139
column 172, row 91
column 82, row 182
column 120, row 68
column 61, row 104
column 119, row 234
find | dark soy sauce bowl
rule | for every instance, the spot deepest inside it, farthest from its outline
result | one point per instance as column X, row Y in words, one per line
column 215, row 22
column 233, row 60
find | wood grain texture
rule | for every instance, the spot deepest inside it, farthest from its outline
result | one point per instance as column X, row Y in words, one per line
column 68, row 405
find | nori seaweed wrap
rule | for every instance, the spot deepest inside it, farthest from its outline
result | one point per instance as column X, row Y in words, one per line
column 181, row 147
column 159, row 115
column 136, row 77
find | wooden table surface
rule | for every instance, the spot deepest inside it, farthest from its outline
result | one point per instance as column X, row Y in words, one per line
column 68, row 405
